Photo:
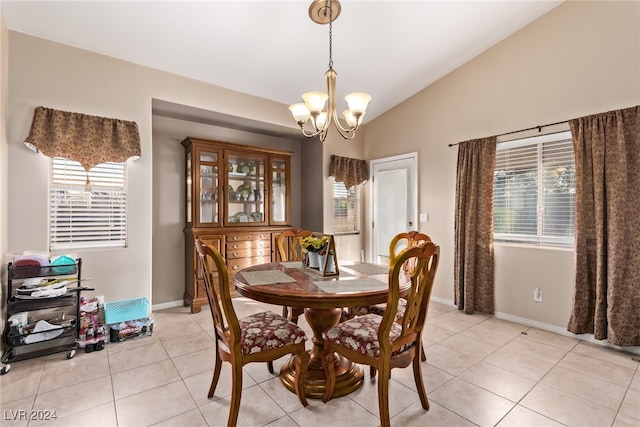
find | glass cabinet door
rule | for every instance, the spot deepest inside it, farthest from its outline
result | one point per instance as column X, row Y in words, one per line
column 209, row 186
column 189, row 204
column 280, row 176
column 246, row 190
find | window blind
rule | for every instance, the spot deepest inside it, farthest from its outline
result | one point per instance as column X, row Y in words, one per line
column 534, row 190
column 87, row 218
column 346, row 209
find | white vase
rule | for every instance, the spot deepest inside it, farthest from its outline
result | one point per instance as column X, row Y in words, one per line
column 331, row 266
column 314, row 261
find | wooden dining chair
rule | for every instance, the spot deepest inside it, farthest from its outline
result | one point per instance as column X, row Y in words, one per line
column 290, row 249
column 400, row 241
column 384, row 342
column 260, row 337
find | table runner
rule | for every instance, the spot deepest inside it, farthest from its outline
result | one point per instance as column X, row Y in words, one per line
column 291, row 264
column 266, row 277
column 309, row 271
column 316, row 274
column 368, row 269
column 346, row 286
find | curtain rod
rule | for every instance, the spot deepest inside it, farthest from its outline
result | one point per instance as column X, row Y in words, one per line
column 523, row 130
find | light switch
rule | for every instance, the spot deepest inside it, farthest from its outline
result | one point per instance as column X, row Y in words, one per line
column 424, row 217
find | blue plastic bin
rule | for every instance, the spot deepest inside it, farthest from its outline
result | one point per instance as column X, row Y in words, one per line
column 125, row 310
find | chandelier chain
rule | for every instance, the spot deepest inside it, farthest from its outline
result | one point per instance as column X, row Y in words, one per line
column 330, row 37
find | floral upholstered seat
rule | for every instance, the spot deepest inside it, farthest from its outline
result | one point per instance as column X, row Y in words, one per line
column 265, row 331
column 378, row 309
column 361, row 334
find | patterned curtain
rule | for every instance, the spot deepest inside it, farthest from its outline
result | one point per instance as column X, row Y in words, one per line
column 607, row 226
column 350, row 171
column 89, row 140
column 473, row 262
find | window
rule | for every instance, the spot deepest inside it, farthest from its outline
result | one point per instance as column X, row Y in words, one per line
column 534, row 190
column 346, row 209
column 81, row 218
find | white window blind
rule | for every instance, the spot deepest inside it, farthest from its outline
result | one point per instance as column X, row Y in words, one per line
column 346, row 209
column 82, row 217
column 534, row 191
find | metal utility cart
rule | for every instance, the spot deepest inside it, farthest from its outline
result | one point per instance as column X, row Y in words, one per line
column 46, row 301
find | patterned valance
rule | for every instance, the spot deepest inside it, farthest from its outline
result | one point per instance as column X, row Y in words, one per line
column 89, row 140
column 350, row 171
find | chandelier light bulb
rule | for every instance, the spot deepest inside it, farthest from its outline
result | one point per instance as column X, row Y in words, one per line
column 321, row 121
column 351, row 119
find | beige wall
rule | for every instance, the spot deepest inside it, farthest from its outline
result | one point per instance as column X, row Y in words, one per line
column 581, row 58
column 62, row 77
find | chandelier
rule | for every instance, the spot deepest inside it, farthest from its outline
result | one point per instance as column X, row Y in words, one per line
column 313, row 109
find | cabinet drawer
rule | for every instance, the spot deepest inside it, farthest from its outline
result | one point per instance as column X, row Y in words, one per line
column 234, row 265
column 240, row 236
column 248, row 245
column 249, row 252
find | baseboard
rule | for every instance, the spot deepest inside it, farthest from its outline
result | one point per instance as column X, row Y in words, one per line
column 551, row 328
column 444, row 301
column 169, row 304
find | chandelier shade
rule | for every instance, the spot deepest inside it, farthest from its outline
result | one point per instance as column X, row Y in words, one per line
column 319, row 108
column 315, row 101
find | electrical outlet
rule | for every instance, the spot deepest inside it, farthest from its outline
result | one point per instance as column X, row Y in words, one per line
column 424, row 217
column 537, row 295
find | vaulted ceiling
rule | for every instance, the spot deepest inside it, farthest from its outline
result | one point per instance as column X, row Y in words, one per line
column 272, row 49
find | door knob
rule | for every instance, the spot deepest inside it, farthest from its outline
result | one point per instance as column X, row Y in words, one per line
column 410, row 223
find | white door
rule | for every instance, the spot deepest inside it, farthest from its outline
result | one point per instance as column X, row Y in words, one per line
column 394, row 201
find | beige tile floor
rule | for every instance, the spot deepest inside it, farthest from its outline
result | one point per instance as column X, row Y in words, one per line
column 480, row 371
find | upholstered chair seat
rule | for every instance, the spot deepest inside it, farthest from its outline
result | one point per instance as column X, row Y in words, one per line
column 378, row 309
column 361, row 334
column 267, row 330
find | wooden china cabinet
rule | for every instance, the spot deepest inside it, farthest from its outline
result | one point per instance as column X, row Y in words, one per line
column 238, row 201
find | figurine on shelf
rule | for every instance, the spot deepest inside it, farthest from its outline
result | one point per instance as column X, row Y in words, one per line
column 256, row 194
column 244, row 190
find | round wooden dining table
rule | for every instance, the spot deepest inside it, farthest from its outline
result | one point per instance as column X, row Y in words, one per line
column 323, row 300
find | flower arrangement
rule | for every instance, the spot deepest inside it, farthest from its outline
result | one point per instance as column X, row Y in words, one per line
column 319, row 254
column 314, row 244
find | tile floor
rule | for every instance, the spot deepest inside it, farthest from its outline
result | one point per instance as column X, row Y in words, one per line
column 480, row 371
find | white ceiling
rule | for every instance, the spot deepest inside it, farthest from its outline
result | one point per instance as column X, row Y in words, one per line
column 272, row 49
